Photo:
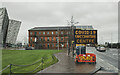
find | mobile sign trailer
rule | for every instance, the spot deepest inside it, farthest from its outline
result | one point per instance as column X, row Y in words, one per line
column 84, row 37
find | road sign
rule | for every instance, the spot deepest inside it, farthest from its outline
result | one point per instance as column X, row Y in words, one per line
column 85, row 36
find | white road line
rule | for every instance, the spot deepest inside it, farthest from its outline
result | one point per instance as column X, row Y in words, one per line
column 107, row 55
column 107, row 65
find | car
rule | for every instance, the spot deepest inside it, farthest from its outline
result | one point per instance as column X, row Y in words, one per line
column 28, row 48
column 101, row 49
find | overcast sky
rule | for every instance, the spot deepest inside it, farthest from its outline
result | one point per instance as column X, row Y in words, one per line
column 103, row 16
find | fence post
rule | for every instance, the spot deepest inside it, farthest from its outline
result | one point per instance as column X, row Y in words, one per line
column 42, row 63
column 53, row 57
column 10, row 69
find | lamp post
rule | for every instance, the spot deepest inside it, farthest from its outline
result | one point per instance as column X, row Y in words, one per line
column 69, row 37
column 72, row 29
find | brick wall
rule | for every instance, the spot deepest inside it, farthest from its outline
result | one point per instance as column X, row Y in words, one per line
column 46, row 42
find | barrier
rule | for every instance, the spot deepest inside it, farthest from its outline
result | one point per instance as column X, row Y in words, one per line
column 5, row 68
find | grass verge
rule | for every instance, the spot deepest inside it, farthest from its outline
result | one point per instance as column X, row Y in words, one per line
column 26, row 57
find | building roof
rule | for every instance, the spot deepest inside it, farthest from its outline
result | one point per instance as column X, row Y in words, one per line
column 90, row 27
column 51, row 28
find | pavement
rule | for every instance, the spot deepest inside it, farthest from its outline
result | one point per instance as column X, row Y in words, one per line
column 66, row 64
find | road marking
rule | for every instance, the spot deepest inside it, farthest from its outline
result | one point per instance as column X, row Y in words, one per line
column 107, row 55
column 115, row 54
column 107, row 65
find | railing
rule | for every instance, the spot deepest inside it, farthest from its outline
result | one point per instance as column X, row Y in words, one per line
column 41, row 61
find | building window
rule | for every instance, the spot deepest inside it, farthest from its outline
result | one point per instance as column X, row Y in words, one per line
column 68, row 32
column 39, row 32
column 43, row 45
column 84, row 27
column 56, row 32
column 48, row 39
column 31, row 45
column 56, row 45
column 56, row 38
column 52, row 33
column 40, row 45
column 40, row 38
column 44, row 33
column 53, row 45
column 31, row 38
column 48, row 45
column 52, row 39
column 30, row 33
column 61, row 38
column 47, row 32
column 43, row 38
column 35, row 33
column 62, row 32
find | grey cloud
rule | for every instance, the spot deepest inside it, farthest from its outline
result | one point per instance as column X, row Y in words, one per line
column 102, row 15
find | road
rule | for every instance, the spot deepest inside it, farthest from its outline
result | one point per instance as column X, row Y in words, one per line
column 108, row 60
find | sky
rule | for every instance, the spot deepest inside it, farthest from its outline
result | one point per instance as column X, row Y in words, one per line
column 103, row 16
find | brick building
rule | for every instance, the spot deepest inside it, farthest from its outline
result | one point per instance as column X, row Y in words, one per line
column 52, row 37
column 49, row 37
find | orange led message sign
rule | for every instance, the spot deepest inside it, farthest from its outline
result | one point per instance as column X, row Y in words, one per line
column 85, row 36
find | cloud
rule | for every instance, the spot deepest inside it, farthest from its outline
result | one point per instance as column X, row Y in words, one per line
column 102, row 15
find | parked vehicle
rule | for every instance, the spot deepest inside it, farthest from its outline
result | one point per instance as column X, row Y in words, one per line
column 101, row 49
column 28, row 48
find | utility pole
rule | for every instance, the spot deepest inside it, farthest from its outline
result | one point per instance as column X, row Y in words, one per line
column 58, row 39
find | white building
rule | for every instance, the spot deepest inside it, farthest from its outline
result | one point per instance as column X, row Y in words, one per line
column 4, row 22
column 13, row 30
